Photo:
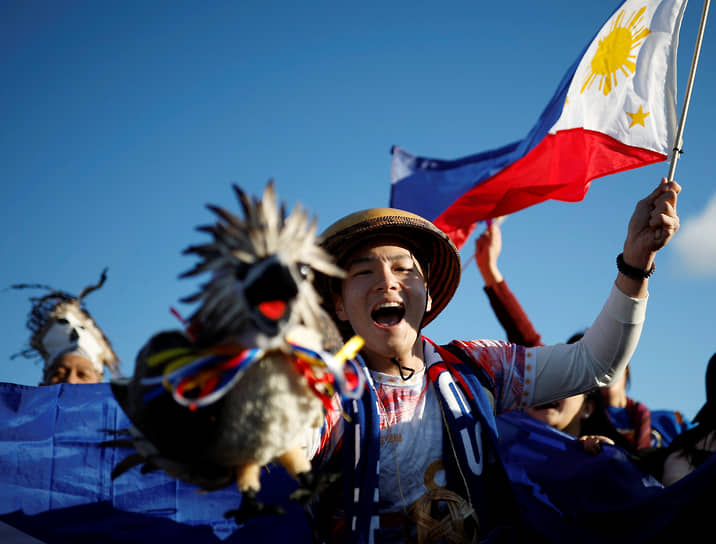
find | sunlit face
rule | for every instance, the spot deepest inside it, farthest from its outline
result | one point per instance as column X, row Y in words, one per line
column 384, row 298
column 72, row 368
column 565, row 415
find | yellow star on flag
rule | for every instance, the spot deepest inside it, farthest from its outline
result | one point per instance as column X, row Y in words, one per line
column 637, row 118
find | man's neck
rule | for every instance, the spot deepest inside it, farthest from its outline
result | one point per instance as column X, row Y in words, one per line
column 400, row 365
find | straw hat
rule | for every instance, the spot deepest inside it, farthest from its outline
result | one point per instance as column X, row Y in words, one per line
column 434, row 250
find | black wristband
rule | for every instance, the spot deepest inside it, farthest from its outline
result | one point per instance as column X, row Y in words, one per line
column 632, row 272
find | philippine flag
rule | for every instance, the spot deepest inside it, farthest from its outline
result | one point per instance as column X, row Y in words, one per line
column 615, row 109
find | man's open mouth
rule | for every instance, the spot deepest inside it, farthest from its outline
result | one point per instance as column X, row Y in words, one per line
column 388, row 314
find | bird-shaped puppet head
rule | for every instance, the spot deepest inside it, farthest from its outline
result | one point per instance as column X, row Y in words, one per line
column 261, row 274
column 260, row 361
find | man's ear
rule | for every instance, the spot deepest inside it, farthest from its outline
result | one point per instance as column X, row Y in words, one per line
column 588, row 408
column 429, row 302
column 338, row 305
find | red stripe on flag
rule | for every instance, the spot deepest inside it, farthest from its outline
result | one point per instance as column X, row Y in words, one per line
column 571, row 159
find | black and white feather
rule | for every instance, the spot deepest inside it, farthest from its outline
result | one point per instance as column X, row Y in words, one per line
column 59, row 321
column 265, row 258
column 258, row 305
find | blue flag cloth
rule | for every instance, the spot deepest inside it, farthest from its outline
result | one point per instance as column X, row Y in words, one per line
column 56, row 484
column 568, row 495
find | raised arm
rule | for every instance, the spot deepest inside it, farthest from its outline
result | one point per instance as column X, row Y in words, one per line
column 507, row 308
column 607, row 346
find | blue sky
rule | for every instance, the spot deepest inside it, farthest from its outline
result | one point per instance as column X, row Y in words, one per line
column 122, row 120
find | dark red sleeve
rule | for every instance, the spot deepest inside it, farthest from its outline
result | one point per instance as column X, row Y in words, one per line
column 511, row 316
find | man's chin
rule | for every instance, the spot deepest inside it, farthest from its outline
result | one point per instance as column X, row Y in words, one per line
column 399, row 336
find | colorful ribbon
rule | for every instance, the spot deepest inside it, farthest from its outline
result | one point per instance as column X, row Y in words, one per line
column 198, row 378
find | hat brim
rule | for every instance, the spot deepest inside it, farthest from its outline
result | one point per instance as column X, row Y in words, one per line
column 435, row 251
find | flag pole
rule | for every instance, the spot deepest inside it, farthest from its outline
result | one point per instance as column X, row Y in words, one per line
column 678, row 140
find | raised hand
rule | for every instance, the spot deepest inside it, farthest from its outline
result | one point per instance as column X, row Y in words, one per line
column 487, row 249
column 652, row 225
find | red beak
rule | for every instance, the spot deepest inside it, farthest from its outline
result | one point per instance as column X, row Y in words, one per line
column 273, row 309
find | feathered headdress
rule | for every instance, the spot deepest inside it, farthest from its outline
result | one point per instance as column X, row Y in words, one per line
column 59, row 324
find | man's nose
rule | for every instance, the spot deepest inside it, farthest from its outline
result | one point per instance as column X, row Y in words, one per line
column 387, row 279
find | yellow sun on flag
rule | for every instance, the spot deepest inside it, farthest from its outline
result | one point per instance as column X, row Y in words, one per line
column 616, row 52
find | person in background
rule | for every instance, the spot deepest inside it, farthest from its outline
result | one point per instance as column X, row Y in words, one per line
column 693, row 447
column 643, row 428
column 582, row 416
column 66, row 338
column 569, row 416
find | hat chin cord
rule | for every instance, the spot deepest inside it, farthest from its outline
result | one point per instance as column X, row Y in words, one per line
column 396, row 361
column 402, row 368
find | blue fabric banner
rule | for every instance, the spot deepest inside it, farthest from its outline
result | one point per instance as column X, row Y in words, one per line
column 56, row 485
column 568, row 495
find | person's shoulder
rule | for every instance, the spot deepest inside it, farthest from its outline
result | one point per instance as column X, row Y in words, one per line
column 481, row 344
column 488, row 355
